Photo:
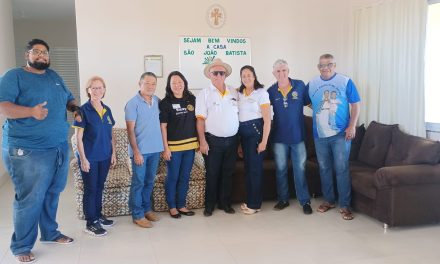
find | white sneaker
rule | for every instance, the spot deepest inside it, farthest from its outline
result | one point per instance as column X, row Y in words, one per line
column 250, row 211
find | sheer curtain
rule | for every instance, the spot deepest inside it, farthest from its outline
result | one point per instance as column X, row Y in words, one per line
column 389, row 44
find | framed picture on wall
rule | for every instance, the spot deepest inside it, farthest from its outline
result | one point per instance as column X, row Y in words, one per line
column 154, row 64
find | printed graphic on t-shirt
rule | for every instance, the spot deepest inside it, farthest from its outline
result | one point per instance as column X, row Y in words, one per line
column 330, row 100
column 323, row 120
column 334, row 102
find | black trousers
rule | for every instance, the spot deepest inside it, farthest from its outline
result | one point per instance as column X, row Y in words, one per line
column 220, row 167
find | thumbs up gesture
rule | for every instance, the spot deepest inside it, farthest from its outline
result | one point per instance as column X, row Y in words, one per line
column 39, row 111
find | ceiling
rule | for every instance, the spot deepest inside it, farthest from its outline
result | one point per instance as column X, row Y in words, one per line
column 43, row 9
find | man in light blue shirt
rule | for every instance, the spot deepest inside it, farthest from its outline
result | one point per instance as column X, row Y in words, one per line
column 336, row 105
column 143, row 128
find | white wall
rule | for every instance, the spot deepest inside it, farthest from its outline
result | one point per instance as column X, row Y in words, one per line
column 7, row 55
column 113, row 41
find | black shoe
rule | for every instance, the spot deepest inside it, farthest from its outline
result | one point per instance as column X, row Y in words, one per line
column 178, row 215
column 307, row 209
column 207, row 212
column 95, row 229
column 281, row 205
column 188, row 213
column 106, row 222
column 228, row 209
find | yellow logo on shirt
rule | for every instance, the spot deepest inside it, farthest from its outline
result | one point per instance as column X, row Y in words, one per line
column 190, row 107
column 294, row 95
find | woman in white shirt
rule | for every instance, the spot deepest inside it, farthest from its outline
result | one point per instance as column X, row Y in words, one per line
column 254, row 117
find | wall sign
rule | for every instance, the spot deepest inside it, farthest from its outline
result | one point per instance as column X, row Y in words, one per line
column 154, row 64
column 196, row 52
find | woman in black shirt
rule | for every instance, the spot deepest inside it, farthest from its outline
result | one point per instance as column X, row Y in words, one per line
column 179, row 135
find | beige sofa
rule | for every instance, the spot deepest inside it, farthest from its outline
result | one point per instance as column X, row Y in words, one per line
column 117, row 187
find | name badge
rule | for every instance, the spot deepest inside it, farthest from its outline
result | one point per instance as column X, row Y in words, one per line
column 176, row 106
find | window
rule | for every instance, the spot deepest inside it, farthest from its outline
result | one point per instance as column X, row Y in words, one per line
column 432, row 60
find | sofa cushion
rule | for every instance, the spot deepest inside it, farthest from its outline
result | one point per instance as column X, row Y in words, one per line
column 121, row 148
column 362, row 179
column 411, row 150
column 356, row 142
column 121, row 143
column 375, row 144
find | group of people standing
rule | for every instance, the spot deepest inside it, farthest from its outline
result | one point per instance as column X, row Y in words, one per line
column 245, row 116
column 221, row 121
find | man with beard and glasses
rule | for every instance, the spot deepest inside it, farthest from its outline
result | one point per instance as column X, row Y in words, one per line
column 34, row 100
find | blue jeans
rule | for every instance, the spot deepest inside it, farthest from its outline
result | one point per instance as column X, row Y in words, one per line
column 142, row 184
column 333, row 153
column 39, row 176
column 298, row 156
column 251, row 133
column 93, row 187
column 177, row 181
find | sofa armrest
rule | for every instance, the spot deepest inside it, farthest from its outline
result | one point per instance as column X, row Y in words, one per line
column 388, row 177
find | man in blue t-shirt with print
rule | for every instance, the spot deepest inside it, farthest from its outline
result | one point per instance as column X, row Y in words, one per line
column 336, row 105
column 34, row 100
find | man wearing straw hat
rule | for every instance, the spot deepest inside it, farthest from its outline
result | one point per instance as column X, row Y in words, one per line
column 217, row 127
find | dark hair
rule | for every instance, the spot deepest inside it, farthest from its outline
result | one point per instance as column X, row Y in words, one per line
column 257, row 84
column 34, row 42
column 169, row 92
column 147, row 74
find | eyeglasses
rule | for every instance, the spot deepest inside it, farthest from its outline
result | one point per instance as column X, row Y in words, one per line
column 216, row 73
column 322, row 66
column 37, row 52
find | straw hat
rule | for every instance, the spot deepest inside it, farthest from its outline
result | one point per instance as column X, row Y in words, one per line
column 217, row 62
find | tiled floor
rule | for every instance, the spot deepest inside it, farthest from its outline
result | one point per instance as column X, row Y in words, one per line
column 273, row 237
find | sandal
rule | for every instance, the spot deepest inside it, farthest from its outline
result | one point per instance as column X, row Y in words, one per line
column 61, row 240
column 325, row 206
column 346, row 214
column 243, row 206
column 25, row 258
